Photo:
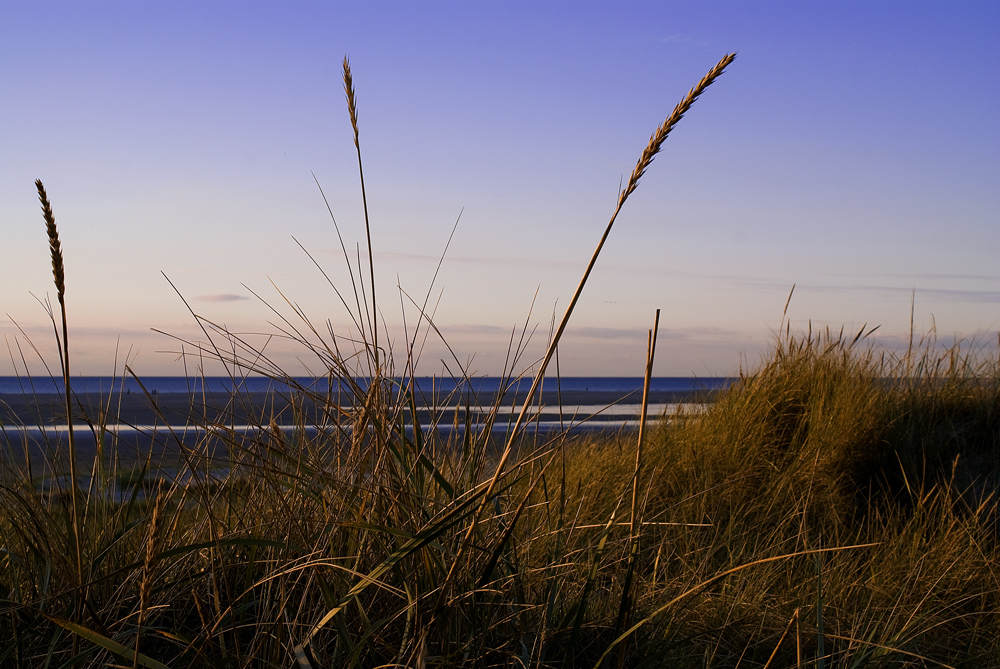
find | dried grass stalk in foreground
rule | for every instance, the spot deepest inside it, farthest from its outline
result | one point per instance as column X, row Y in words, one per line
column 59, row 277
column 652, row 148
column 352, row 109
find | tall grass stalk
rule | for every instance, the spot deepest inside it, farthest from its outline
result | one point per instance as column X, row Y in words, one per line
column 625, row 608
column 59, row 278
column 656, row 141
column 352, row 109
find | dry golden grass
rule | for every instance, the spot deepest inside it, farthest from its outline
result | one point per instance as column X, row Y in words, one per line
column 836, row 507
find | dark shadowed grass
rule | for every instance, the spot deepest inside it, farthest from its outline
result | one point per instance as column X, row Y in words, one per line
column 827, row 444
column 333, row 546
column 836, row 507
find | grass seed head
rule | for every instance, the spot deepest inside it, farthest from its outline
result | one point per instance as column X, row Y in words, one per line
column 660, row 135
column 58, row 273
column 352, row 105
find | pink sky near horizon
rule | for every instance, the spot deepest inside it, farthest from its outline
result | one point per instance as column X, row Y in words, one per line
column 851, row 150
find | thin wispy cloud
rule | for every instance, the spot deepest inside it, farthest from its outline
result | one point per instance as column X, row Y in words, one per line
column 221, row 297
column 696, row 334
column 766, row 283
column 474, row 329
column 941, row 276
column 945, row 294
column 895, row 292
column 987, row 296
column 474, row 260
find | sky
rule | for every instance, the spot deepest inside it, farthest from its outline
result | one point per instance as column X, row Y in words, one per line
column 851, row 150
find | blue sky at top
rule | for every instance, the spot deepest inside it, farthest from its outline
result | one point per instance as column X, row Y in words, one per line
column 852, row 149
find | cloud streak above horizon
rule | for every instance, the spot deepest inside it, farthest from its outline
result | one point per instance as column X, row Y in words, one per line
column 221, row 297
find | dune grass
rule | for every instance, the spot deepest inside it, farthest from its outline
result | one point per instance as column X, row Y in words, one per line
column 826, row 444
column 834, row 508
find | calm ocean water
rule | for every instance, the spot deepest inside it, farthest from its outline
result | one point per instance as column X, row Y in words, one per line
column 487, row 385
column 136, row 431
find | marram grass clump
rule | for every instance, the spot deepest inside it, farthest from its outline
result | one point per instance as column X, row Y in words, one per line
column 825, row 444
column 836, row 507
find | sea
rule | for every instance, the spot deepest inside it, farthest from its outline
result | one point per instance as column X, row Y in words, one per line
column 565, row 396
column 621, row 386
column 148, row 414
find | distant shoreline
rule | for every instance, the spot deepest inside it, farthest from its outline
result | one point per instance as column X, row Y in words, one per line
column 180, row 408
column 138, row 426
